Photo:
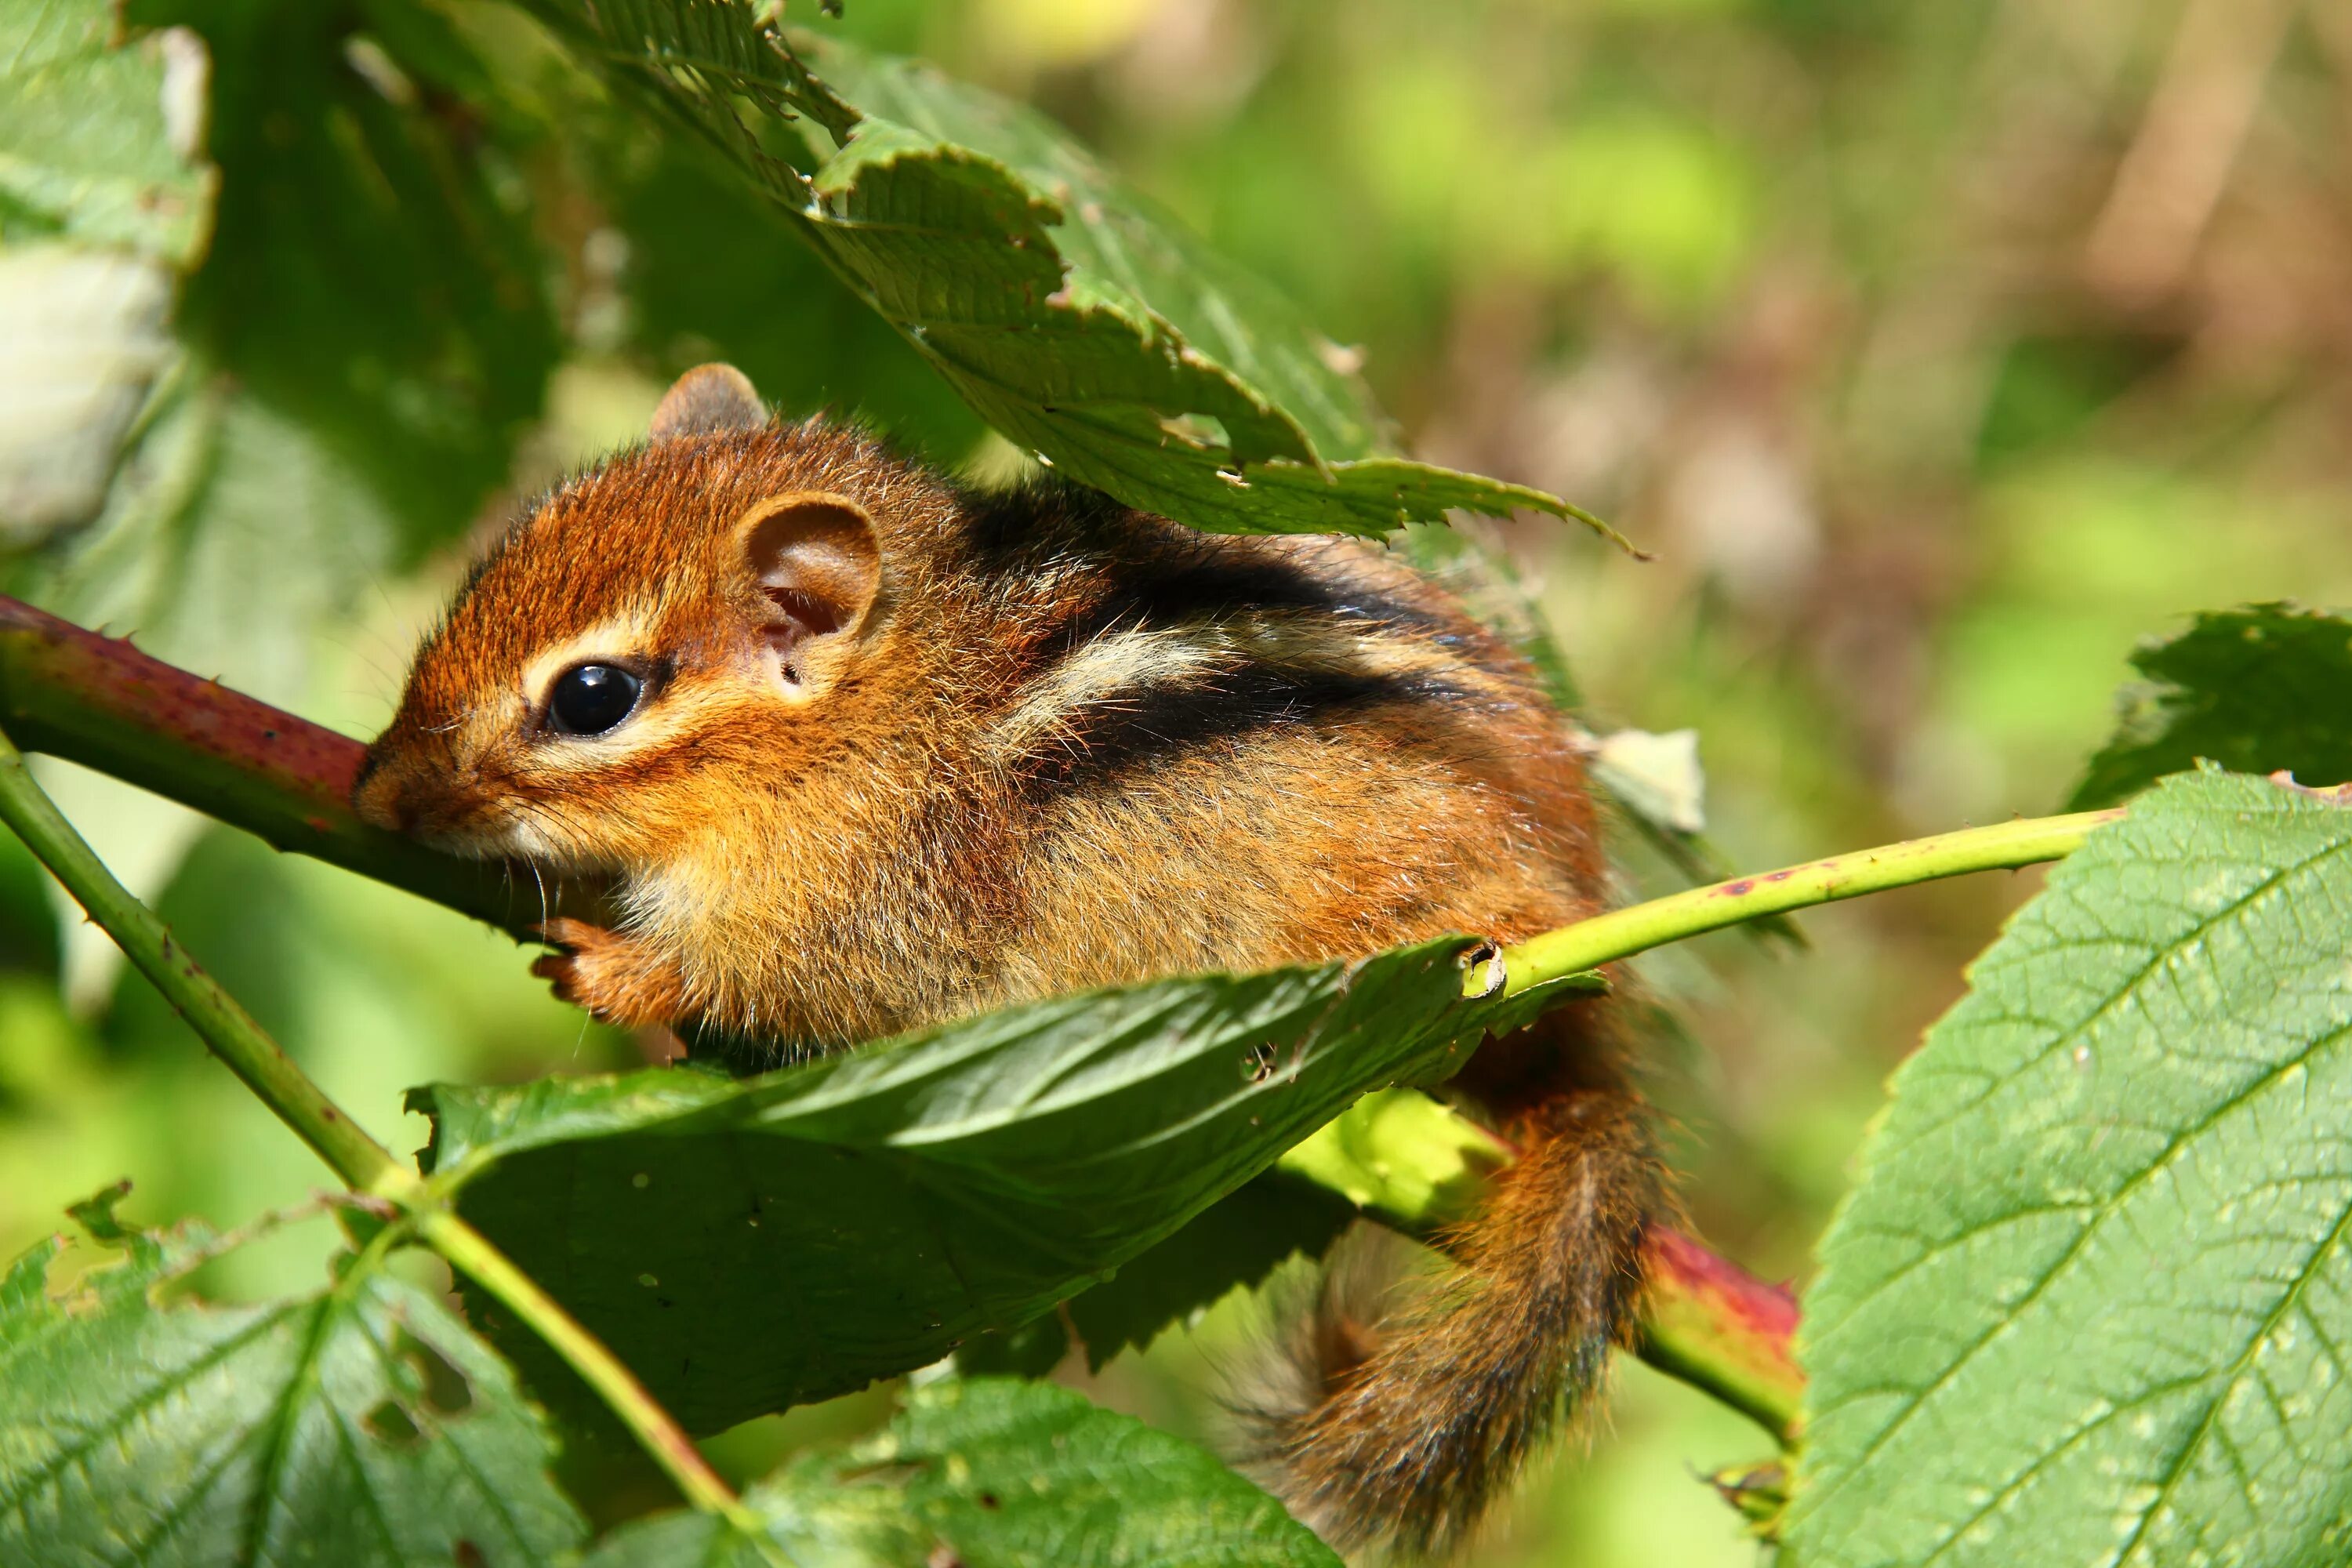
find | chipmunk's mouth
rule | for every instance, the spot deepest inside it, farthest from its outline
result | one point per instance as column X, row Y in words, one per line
column 477, row 817
column 502, row 830
column 516, row 829
column 440, row 820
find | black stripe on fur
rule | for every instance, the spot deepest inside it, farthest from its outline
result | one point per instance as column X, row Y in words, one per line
column 1151, row 726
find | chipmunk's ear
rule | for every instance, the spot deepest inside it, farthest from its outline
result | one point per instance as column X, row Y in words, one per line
column 816, row 561
column 706, row 399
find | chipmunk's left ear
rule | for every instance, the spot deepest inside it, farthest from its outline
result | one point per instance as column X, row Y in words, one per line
column 815, row 559
column 706, row 399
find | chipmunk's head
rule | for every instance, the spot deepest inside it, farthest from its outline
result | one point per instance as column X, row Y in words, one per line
column 692, row 609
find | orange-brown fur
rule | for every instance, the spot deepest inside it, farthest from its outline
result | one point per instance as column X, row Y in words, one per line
column 1062, row 746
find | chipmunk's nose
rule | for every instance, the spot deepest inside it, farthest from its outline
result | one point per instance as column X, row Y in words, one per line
column 376, row 795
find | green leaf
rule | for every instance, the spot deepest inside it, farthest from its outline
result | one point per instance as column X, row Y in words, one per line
column 375, row 278
column 1234, row 1243
column 1032, row 1350
column 95, row 134
column 746, row 1245
column 993, row 1473
column 359, row 1425
column 2259, row 688
column 715, row 274
column 2088, row 1301
column 811, row 1517
column 1069, row 310
column 1402, row 1157
column 1011, row 1473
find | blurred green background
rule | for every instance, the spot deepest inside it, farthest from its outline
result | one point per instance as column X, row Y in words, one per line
column 1938, row 351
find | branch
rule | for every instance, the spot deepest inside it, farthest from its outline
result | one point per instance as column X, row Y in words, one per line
column 101, row 703
column 233, row 1036
column 1718, row 1327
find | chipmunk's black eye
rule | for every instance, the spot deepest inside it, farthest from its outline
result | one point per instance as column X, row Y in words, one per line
column 591, row 699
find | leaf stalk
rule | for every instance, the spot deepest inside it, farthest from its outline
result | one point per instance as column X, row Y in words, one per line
column 1621, row 933
column 471, row 1252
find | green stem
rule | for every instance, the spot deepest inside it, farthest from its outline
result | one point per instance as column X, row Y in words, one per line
column 1621, row 933
column 1707, row 1322
column 469, row 1250
column 214, row 1014
column 238, row 1040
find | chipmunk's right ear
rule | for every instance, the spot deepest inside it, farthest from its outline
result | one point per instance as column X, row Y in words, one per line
column 708, row 399
column 816, row 558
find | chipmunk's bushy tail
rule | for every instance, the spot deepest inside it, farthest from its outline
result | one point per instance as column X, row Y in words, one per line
column 1417, row 1424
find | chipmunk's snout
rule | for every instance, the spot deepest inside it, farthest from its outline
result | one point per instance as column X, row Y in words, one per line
column 421, row 791
column 375, row 795
column 393, row 792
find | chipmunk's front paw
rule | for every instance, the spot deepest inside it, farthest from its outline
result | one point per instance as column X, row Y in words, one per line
column 610, row 975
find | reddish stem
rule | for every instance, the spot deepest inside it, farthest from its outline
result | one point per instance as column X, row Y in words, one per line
column 1711, row 1322
column 98, row 702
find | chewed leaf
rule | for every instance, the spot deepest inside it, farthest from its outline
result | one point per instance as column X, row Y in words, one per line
column 1069, row 310
column 748, row 1246
column 2089, row 1301
column 363, row 1424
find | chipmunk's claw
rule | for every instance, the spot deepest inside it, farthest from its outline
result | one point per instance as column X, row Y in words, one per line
column 607, row 972
column 562, row 968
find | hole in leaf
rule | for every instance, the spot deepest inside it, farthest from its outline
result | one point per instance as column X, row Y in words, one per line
column 388, row 1423
column 444, row 1389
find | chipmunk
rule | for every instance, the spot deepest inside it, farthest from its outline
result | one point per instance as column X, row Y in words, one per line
column 865, row 751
